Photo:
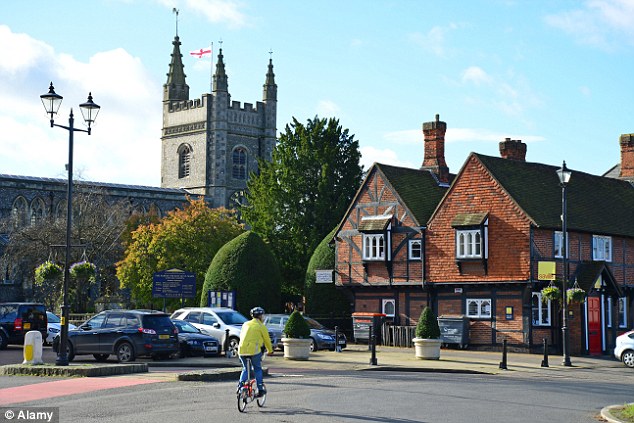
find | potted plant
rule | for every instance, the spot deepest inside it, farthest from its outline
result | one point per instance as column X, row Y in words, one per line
column 47, row 271
column 427, row 341
column 551, row 292
column 575, row 295
column 297, row 340
column 84, row 270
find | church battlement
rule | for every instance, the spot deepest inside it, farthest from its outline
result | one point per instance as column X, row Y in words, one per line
column 179, row 106
column 248, row 107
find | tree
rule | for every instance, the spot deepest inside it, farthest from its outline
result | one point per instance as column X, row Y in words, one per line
column 247, row 265
column 298, row 197
column 324, row 298
column 186, row 239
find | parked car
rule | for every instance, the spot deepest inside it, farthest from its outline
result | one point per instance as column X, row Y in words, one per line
column 53, row 327
column 215, row 321
column 125, row 333
column 16, row 319
column 321, row 337
column 193, row 342
column 624, row 350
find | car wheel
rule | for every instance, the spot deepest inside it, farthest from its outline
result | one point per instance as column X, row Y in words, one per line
column 101, row 357
column 125, row 352
column 70, row 351
column 313, row 345
column 628, row 358
column 4, row 340
column 182, row 352
column 232, row 349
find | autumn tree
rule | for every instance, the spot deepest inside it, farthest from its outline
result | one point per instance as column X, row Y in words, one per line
column 298, row 197
column 185, row 239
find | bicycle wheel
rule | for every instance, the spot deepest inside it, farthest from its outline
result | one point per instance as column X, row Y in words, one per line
column 242, row 400
column 261, row 400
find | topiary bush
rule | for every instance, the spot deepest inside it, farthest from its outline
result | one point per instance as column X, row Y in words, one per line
column 427, row 327
column 297, row 326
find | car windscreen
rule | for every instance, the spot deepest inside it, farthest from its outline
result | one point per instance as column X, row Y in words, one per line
column 52, row 318
column 231, row 317
column 184, row 327
column 157, row 322
column 314, row 324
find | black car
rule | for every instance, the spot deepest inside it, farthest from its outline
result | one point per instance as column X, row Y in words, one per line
column 125, row 333
column 16, row 319
column 193, row 342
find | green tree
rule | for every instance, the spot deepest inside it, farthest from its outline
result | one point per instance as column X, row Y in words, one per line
column 246, row 264
column 298, row 197
column 324, row 298
column 186, row 239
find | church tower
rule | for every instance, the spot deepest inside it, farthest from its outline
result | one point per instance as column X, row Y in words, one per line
column 211, row 145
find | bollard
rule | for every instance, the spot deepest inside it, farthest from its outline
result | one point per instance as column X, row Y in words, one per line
column 337, row 346
column 372, row 347
column 503, row 362
column 545, row 360
column 371, row 330
column 226, row 346
column 33, row 348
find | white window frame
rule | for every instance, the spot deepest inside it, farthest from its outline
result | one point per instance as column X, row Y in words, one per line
column 622, row 306
column 601, row 248
column 558, row 242
column 469, row 244
column 541, row 307
column 374, row 246
column 481, row 313
column 384, row 303
column 412, row 249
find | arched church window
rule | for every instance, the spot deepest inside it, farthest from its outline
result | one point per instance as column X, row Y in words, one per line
column 38, row 210
column 20, row 212
column 184, row 160
column 239, row 161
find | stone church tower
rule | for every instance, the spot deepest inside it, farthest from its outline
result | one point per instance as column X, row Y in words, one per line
column 210, row 145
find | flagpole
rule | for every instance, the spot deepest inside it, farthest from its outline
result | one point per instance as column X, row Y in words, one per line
column 211, row 69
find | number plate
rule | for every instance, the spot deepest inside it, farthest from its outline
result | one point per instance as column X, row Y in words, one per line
column 164, row 337
column 342, row 342
column 215, row 349
column 27, row 326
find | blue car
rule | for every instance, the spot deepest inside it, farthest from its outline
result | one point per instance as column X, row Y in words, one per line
column 193, row 342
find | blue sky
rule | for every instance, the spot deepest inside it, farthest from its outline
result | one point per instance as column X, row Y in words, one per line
column 555, row 74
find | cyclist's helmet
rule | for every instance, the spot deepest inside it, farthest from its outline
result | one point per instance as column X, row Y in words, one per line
column 257, row 311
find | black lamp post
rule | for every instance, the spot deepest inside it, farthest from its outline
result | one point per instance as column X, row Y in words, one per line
column 564, row 177
column 89, row 111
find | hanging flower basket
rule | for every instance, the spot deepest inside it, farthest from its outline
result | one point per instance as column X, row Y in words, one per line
column 576, row 295
column 83, row 270
column 551, row 293
column 47, row 271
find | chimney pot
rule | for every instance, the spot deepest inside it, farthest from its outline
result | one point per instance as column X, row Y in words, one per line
column 627, row 155
column 513, row 150
column 434, row 133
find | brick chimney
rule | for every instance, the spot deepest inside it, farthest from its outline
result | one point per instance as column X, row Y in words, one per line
column 434, row 133
column 627, row 156
column 513, row 150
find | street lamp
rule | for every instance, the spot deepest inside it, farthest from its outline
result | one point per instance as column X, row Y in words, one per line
column 89, row 111
column 564, row 177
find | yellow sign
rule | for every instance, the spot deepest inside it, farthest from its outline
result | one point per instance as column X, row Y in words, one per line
column 546, row 270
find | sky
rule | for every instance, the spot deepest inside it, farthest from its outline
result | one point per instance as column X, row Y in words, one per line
column 556, row 74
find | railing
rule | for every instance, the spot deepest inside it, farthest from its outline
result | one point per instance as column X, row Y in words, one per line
column 397, row 336
column 79, row 318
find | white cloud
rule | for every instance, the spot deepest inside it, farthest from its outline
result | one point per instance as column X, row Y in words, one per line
column 327, row 108
column 476, row 75
column 434, row 40
column 125, row 143
column 227, row 11
column 370, row 155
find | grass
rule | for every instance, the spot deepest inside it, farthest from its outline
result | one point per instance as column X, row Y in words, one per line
column 625, row 414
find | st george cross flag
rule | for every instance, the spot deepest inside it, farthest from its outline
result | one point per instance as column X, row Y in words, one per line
column 201, row 53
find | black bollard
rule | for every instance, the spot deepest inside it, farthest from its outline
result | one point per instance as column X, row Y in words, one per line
column 372, row 347
column 503, row 362
column 226, row 346
column 545, row 360
column 337, row 347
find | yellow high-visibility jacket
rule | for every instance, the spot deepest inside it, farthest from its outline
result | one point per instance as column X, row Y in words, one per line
column 253, row 336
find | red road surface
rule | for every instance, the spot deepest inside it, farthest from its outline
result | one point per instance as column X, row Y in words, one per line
column 60, row 388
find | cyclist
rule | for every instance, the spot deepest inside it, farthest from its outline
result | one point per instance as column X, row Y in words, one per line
column 254, row 340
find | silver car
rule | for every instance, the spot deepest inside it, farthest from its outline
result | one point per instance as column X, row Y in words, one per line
column 624, row 350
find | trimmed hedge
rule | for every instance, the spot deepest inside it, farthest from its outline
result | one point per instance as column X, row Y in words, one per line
column 297, row 326
column 427, row 327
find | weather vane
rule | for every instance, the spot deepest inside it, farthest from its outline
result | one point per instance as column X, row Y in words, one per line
column 271, row 54
column 175, row 10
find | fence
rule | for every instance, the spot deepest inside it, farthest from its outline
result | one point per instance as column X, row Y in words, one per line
column 397, row 336
column 79, row 318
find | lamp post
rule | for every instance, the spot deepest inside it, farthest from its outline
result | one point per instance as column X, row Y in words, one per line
column 564, row 177
column 89, row 111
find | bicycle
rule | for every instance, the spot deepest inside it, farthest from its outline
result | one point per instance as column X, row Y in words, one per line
column 249, row 391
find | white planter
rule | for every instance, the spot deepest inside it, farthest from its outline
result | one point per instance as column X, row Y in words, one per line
column 296, row 349
column 427, row 349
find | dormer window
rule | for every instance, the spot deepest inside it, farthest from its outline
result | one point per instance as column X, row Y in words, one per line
column 376, row 237
column 472, row 230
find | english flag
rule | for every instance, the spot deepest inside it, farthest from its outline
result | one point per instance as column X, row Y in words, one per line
column 201, row 53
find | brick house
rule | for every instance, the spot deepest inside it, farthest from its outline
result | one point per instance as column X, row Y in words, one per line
column 482, row 244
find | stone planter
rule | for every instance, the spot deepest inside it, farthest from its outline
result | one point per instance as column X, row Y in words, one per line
column 427, row 349
column 296, row 349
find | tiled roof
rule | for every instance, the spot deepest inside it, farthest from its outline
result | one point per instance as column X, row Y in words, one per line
column 596, row 204
column 374, row 224
column 468, row 219
column 419, row 190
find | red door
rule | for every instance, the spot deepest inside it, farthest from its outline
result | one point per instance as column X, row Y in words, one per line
column 594, row 326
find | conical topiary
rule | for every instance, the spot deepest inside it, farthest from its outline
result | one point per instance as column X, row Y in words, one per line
column 427, row 327
column 297, row 326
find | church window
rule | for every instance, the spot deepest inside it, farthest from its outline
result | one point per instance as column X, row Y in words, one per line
column 184, row 160
column 37, row 211
column 20, row 212
column 239, row 160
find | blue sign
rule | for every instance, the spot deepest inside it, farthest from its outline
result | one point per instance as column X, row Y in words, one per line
column 222, row 299
column 174, row 283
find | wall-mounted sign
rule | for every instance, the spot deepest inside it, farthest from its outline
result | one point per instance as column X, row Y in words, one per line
column 508, row 310
column 221, row 299
column 173, row 283
column 457, row 290
column 323, row 276
column 546, row 270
